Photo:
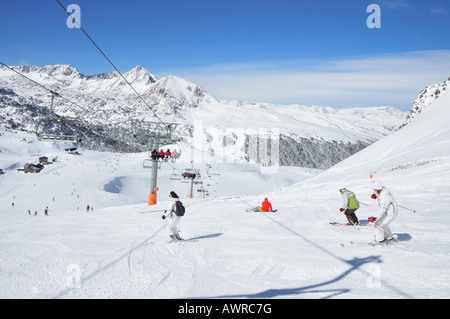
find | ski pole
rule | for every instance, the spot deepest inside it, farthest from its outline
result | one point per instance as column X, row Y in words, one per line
column 364, row 204
column 412, row 210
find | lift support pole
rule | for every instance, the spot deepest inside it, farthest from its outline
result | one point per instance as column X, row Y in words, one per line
column 153, row 196
column 158, row 133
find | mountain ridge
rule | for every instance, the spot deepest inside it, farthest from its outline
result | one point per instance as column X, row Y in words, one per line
column 109, row 107
column 425, row 98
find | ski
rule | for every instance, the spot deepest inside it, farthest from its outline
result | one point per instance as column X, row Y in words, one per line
column 178, row 242
column 348, row 224
column 365, row 244
column 391, row 243
column 251, row 210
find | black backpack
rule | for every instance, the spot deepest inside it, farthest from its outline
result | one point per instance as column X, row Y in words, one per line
column 179, row 208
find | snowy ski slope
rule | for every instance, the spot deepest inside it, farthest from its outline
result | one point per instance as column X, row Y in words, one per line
column 293, row 253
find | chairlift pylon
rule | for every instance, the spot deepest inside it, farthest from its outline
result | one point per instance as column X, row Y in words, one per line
column 158, row 134
column 192, row 176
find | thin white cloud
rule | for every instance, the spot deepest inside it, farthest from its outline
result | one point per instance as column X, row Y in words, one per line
column 439, row 10
column 393, row 79
column 394, row 4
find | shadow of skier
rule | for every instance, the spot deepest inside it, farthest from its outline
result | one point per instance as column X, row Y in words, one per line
column 319, row 288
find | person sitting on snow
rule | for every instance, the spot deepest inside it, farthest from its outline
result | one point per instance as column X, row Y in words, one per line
column 349, row 206
column 266, row 206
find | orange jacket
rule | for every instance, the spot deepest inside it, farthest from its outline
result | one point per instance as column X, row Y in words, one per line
column 266, row 206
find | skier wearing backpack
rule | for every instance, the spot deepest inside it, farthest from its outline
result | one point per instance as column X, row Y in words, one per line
column 174, row 218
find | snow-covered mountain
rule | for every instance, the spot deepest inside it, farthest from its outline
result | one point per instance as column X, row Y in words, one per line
column 425, row 98
column 106, row 108
column 117, row 249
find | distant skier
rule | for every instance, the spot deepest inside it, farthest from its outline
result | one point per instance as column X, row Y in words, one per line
column 349, row 206
column 386, row 213
column 174, row 219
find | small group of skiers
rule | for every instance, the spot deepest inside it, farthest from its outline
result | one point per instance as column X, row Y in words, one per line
column 173, row 215
column 162, row 156
column 387, row 210
column 35, row 212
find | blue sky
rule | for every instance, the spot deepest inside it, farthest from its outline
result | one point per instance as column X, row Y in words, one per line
column 307, row 52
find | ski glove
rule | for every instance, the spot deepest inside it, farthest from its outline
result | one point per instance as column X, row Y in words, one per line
column 341, row 209
column 374, row 196
column 372, row 219
column 163, row 217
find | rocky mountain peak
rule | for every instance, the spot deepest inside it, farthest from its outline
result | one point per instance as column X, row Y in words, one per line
column 425, row 98
column 140, row 75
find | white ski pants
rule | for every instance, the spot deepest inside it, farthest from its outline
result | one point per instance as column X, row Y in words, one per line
column 382, row 230
column 172, row 225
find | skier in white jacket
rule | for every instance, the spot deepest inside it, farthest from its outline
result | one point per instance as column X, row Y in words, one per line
column 386, row 213
column 173, row 218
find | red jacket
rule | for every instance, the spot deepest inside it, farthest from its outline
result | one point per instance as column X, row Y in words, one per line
column 266, row 206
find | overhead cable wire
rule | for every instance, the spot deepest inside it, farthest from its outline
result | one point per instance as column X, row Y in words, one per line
column 42, row 86
column 49, row 90
column 100, row 50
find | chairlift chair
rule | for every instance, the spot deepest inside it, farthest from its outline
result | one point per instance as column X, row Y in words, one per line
column 147, row 163
column 190, row 171
column 174, row 176
column 56, row 128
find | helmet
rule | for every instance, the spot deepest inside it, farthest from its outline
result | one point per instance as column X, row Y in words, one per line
column 377, row 185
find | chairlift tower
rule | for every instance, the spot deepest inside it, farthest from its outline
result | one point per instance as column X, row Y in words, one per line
column 158, row 134
column 193, row 176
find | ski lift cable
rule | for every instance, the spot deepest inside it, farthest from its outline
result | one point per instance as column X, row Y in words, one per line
column 49, row 90
column 120, row 73
column 45, row 88
column 54, row 93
